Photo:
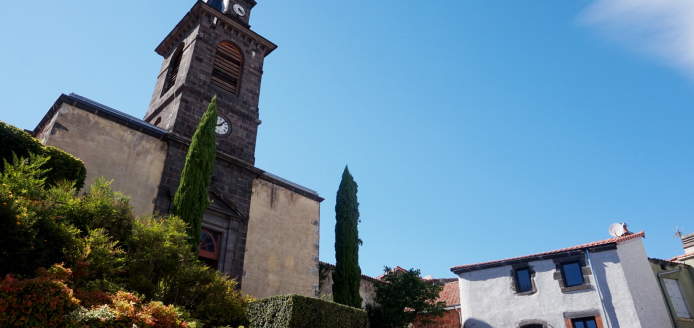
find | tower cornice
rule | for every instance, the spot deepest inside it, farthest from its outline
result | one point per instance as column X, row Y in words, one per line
column 196, row 16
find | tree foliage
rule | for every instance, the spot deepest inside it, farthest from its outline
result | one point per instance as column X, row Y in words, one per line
column 191, row 198
column 60, row 165
column 347, row 274
column 404, row 297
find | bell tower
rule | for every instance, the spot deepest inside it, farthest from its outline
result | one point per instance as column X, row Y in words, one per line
column 212, row 51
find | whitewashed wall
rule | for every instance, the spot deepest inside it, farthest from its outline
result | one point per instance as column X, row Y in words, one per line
column 632, row 300
column 643, row 285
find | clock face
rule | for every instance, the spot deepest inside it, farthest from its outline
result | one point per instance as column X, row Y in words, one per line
column 222, row 127
column 239, row 10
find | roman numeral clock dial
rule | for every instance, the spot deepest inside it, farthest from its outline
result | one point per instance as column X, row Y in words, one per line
column 222, row 129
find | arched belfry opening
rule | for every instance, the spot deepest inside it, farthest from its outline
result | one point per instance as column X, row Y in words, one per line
column 228, row 63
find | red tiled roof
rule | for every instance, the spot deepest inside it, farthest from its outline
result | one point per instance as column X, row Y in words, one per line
column 679, row 258
column 365, row 277
column 615, row 240
column 450, row 294
column 398, row 268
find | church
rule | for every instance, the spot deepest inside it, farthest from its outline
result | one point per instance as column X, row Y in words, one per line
column 260, row 229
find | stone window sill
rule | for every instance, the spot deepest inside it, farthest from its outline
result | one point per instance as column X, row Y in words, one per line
column 530, row 292
column 576, row 288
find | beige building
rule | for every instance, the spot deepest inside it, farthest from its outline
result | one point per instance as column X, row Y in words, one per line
column 367, row 286
column 260, row 229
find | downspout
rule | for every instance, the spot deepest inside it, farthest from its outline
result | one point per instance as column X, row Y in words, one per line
column 459, row 317
column 597, row 286
column 660, row 283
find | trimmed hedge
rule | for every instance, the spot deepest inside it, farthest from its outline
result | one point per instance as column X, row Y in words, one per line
column 62, row 165
column 296, row 311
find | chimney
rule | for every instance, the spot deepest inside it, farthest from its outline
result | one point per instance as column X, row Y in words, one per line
column 688, row 243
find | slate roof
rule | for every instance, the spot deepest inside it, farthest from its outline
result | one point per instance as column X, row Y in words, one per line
column 497, row 263
column 139, row 125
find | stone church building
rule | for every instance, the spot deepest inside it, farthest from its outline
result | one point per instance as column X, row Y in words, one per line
column 260, row 229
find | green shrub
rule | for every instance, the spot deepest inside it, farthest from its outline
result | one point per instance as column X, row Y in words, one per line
column 99, row 208
column 108, row 250
column 14, row 140
column 30, row 239
column 294, row 311
column 162, row 267
column 63, row 166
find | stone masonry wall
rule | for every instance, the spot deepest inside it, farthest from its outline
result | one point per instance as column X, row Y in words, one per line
column 232, row 181
column 181, row 107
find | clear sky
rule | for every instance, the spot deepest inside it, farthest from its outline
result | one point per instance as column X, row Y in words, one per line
column 476, row 130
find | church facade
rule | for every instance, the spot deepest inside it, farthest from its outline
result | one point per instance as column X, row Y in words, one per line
column 260, row 229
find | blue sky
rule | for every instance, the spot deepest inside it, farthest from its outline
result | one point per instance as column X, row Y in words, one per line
column 476, row 130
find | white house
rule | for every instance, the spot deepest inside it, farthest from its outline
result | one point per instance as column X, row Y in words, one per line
column 559, row 289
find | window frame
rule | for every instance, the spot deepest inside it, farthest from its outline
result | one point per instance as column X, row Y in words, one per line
column 580, row 272
column 515, row 283
column 560, row 276
column 214, row 256
column 518, row 282
column 584, row 320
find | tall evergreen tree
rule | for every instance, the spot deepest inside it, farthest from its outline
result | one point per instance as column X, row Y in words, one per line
column 347, row 274
column 191, row 198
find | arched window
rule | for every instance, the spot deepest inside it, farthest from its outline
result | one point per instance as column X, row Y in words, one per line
column 226, row 72
column 172, row 72
column 209, row 247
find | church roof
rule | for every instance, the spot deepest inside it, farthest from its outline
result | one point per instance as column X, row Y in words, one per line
column 96, row 108
column 137, row 124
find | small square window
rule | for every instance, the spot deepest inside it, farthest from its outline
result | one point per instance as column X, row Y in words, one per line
column 523, row 282
column 584, row 323
column 571, row 273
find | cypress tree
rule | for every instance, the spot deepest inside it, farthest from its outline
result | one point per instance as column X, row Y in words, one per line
column 347, row 274
column 191, row 198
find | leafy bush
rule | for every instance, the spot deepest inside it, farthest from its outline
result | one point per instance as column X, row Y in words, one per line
column 125, row 310
column 64, row 167
column 99, row 208
column 61, row 165
column 40, row 302
column 30, row 239
column 162, row 267
column 108, row 249
column 290, row 311
column 47, row 301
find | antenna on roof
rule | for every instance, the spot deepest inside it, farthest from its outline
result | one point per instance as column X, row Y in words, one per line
column 618, row 229
column 678, row 233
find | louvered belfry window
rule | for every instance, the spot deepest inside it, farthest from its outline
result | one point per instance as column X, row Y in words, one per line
column 174, row 65
column 227, row 67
